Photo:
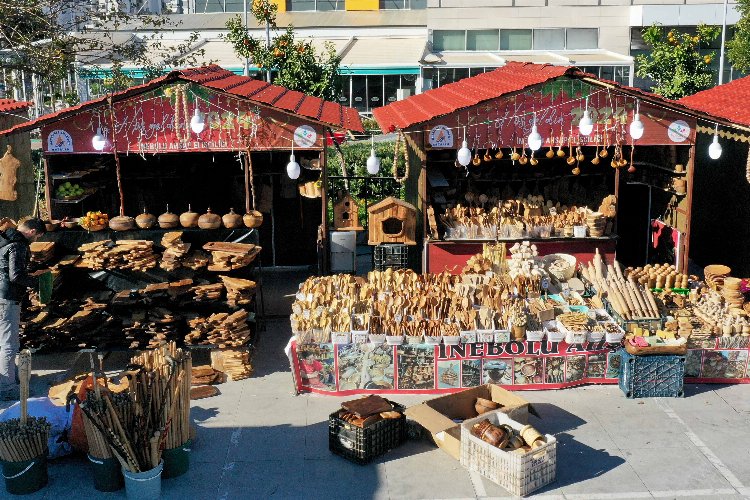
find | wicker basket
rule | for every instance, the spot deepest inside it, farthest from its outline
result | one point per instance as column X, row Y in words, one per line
column 563, row 274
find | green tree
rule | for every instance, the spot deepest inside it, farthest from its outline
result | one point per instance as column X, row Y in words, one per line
column 675, row 64
column 738, row 48
column 293, row 63
column 52, row 39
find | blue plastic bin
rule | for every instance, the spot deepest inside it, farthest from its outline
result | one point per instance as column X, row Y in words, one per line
column 652, row 376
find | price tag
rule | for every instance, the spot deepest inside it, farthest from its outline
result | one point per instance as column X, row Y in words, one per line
column 553, row 210
column 545, row 283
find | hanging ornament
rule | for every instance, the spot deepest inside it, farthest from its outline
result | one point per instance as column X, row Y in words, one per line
column 714, row 150
column 373, row 162
column 586, row 126
column 551, row 152
column 636, row 126
column 464, row 154
column 197, row 122
column 99, row 142
column 293, row 169
column 401, row 147
column 535, row 139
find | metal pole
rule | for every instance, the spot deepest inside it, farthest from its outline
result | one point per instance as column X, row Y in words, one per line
column 723, row 40
column 247, row 60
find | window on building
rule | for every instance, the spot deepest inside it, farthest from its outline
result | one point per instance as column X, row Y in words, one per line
column 515, row 39
column 346, row 90
column 326, row 5
column 300, row 5
column 448, row 40
column 409, row 82
column 444, row 76
column 549, row 39
column 482, row 39
column 619, row 74
column 209, row 6
column 431, row 75
column 391, row 85
column 581, row 38
column 359, row 92
column 403, row 4
column 374, row 91
column 233, row 6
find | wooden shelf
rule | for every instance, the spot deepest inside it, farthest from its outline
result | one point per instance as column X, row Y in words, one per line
column 670, row 191
column 659, row 167
column 76, row 200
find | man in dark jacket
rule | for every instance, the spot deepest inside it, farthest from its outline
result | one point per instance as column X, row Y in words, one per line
column 15, row 255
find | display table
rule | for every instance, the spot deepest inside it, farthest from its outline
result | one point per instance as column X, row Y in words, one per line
column 428, row 369
column 453, row 255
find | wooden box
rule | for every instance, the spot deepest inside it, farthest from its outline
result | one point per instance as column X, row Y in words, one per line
column 392, row 221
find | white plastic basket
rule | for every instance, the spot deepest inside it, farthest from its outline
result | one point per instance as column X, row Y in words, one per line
column 573, row 337
column 536, row 336
column 394, row 339
column 485, row 336
column 518, row 472
column 468, row 336
column 414, row 339
column 595, row 336
column 502, row 336
column 377, row 338
column 433, row 339
column 451, row 339
column 341, row 337
column 360, row 337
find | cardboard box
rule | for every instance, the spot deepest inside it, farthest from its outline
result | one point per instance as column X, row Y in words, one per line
column 436, row 415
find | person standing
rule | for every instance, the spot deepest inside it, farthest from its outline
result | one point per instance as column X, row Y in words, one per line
column 15, row 255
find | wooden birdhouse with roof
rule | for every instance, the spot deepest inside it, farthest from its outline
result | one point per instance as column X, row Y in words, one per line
column 392, row 221
column 346, row 214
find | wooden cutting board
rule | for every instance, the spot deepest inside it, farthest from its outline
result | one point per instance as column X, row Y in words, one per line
column 9, row 166
column 234, row 248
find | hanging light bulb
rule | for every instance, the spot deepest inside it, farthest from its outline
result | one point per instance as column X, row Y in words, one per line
column 373, row 162
column 464, row 154
column 292, row 168
column 197, row 122
column 636, row 126
column 535, row 139
column 99, row 141
column 586, row 126
column 714, row 150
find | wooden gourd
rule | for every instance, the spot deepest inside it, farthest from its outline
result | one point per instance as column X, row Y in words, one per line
column 232, row 220
column 209, row 220
column 253, row 219
column 145, row 220
column 121, row 223
column 168, row 220
column 189, row 218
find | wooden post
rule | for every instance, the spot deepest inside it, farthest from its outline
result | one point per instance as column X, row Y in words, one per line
column 247, row 182
column 324, row 205
column 47, row 187
column 117, row 157
column 685, row 254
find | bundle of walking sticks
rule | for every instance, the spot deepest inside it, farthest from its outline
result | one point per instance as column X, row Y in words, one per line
column 25, row 438
column 135, row 426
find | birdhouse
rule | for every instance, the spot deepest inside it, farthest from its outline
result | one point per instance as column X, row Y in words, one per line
column 392, row 221
column 346, row 214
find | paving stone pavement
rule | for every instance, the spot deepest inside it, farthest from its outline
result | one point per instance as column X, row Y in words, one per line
column 258, row 440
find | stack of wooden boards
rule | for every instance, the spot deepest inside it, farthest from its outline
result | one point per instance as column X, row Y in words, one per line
column 42, row 251
column 221, row 329
column 175, row 250
column 228, row 256
column 137, row 255
column 235, row 363
column 239, row 291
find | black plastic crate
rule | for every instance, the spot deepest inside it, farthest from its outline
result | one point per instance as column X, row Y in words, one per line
column 361, row 444
column 652, row 376
column 391, row 256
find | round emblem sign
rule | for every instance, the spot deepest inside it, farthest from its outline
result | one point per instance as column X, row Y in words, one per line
column 305, row 136
column 59, row 141
column 678, row 131
column 441, row 137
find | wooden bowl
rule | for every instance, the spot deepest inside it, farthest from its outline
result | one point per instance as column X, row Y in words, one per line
column 71, row 223
column 484, row 405
column 52, row 225
column 96, row 227
column 717, row 270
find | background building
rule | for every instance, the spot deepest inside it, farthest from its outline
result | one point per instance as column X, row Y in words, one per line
column 393, row 48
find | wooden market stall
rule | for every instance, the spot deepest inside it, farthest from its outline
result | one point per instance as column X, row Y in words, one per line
column 639, row 186
column 191, row 170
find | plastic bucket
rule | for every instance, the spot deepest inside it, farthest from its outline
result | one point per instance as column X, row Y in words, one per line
column 22, row 478
column 106, row 472
column 176, row 460
column 143, row 485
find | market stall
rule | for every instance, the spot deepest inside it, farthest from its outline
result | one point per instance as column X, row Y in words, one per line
column 396, row 332
column 163, row 198
column 548, row 154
